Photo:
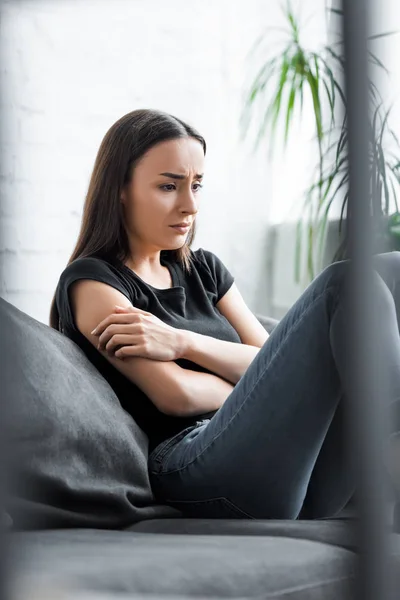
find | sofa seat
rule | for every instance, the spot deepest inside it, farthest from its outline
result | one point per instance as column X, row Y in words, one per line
column 239, row 560
column 338, row 532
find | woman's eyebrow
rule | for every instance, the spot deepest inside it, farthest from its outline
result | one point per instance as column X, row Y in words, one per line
column 176, row 176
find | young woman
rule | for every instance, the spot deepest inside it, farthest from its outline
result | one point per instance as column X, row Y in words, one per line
column 239, row 424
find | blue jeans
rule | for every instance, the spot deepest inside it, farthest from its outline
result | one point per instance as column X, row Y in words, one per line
column 276, row 449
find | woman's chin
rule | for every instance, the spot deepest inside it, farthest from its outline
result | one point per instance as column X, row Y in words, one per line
column 175, row 245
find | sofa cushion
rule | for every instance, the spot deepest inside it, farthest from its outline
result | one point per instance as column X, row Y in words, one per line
column 80, row 459
column 126, row 564
column 337, row 532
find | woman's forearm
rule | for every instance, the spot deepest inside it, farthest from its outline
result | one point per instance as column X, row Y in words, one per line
column 202, row 392
column 227, row 359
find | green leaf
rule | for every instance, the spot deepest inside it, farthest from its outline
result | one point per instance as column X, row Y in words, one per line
column 272, row 112
column 382, row 176
column 332, row 78
column 292, row 21
column 342, row 143
column 276, row 105
column 257, row 88
column 313, row 84
column 345, row 200
column 375, row 60
column 343, row 182
column 394, row 190
column 380, row 35
column 301, row 83
column 321, row 229
column 336, row 11
column 310, row 253
column 329, row 181
column 376, row 96
column 330, row 147
column 384, row 124
column 262, row 77
column 335, row 56
column 331, row 101
column 298, row 251
column 273, row 104
column 327, row 206
column 290, row 105
column 394, row 136
column 375, row 118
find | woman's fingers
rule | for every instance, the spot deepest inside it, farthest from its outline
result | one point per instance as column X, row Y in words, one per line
column 118, row 329
column 121, row 318
column 120, row 339
column 126, row 351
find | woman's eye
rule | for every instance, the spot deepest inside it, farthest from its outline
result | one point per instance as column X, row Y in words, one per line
column 170, row 187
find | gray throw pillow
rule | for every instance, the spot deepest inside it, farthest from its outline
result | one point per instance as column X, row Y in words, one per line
column 79, row 459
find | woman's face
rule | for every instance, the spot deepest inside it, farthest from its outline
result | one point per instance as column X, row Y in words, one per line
column 163, row 191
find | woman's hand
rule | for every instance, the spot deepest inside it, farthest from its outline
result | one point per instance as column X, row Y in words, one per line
column 134, row 332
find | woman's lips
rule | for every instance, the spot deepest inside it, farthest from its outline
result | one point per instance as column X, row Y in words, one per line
column 181, row 230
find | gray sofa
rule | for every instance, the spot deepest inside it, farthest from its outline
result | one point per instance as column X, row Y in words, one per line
column 85, row 523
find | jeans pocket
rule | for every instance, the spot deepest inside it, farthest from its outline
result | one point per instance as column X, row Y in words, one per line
column 160, row 452
column 211, row 508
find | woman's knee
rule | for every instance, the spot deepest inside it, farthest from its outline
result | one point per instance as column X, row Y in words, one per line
column 334, row 275
column 379, row 286
column 384, row 268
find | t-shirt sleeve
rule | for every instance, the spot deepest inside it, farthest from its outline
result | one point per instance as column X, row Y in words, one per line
column 221, row 276
column 83, row 268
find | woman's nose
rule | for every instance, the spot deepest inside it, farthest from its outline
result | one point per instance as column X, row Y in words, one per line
column 189, row 202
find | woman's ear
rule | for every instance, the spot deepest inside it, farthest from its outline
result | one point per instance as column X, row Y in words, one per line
column 122, row 196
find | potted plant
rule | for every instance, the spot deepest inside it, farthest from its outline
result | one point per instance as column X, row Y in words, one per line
column 278, row 88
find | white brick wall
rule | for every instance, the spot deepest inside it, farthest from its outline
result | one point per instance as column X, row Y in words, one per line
column 69, row 70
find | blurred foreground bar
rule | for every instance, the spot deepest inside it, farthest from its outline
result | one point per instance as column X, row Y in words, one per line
column 368, row 384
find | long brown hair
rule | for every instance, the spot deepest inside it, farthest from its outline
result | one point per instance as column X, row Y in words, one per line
column 102, row 232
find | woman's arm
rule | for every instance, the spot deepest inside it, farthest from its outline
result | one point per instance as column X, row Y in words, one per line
column 173, row 390
column 201, row 393
column 228, row 359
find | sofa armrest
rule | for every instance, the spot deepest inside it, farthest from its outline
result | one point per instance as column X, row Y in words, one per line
column 267, row 322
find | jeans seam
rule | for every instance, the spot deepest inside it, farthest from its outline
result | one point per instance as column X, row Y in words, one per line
column 168, row 443
column 256, row 382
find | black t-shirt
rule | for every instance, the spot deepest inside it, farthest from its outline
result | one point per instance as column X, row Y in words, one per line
column 190, row 304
